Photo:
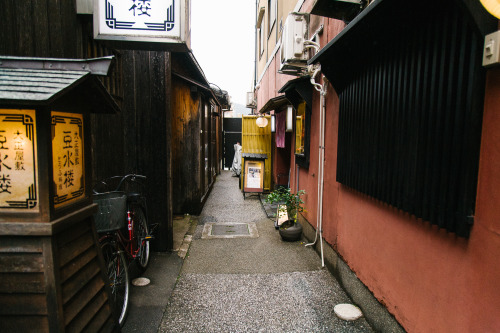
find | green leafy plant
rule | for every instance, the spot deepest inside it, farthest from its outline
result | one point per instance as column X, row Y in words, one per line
column 292, row 201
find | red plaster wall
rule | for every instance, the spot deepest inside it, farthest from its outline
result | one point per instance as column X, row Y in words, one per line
column 431, row 280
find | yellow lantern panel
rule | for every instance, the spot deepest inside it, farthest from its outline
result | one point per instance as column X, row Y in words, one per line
column 67, row 157
column 18, row 161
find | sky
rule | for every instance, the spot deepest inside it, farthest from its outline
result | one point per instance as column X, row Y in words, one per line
column 223, row 42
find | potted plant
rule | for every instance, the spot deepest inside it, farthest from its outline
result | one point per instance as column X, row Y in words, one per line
column 290, row 230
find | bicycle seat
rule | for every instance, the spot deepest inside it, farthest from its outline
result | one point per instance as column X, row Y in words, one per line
column 134, row 197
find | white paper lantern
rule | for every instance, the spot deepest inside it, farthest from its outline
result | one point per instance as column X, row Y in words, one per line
column 261, row 122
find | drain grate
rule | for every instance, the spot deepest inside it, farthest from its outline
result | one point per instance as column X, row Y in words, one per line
column 229, row 230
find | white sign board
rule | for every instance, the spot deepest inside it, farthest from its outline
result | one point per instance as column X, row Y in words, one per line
column 164, row 21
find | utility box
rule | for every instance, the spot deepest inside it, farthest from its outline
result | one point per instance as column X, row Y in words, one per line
column 52, row 276
column 491, row 52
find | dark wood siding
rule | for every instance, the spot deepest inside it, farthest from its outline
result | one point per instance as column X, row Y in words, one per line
column 53, row 283
column 186, row 127
column 410, row 118
column 138, row 139
column 82, row 287
column 195, row 146
column 22, row 277
column 40, row 28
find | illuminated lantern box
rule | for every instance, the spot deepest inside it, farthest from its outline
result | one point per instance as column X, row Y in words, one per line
column 51, row 269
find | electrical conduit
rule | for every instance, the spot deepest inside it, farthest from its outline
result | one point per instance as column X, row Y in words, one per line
column 321, row 161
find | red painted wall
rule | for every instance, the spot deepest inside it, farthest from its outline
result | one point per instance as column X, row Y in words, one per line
column 430, row 280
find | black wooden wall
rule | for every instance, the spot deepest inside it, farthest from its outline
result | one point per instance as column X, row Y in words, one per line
column 410, row 114
column 139, row 139
column 135, row 141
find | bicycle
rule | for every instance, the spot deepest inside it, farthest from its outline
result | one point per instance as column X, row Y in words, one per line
column 121, row 223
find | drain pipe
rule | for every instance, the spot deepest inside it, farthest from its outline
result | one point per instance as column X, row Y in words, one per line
column 321, row 161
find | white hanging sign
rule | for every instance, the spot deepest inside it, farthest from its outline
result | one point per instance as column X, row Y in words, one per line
column 142, row 20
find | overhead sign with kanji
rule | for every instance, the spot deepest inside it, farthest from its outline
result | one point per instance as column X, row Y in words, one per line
column 67, row 157
column 164, row 21
column 18, row 161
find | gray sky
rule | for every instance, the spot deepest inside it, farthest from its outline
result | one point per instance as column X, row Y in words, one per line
column 223, row 42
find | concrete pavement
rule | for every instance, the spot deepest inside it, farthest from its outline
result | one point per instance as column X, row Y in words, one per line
column 262, row 284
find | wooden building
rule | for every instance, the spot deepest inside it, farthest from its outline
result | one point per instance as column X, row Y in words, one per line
column 142, row 82
column 196, row 134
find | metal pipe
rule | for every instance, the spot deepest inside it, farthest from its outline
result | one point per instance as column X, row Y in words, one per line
column 321, row 162
column 255, row 50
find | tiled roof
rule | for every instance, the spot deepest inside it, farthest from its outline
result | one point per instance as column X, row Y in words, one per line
column 36, row 84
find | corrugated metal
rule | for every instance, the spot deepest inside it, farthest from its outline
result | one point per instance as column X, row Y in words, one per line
column 410, row 119
column 256, row 140
column 35, row 85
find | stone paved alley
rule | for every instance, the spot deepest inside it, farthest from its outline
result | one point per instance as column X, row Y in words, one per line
column 251, row 284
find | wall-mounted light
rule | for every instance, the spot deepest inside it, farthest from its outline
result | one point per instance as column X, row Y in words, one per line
column 289, row 119
column 261, row 121
column 492, row 6
column 273, row 123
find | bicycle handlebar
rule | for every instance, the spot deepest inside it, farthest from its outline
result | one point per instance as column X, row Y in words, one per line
column 130, row 177
column 126, row 177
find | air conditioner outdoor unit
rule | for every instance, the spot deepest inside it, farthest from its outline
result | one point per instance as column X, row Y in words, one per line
column 293, row 54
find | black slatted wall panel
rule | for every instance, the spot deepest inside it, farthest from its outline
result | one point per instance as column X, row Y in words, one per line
column 410, row 119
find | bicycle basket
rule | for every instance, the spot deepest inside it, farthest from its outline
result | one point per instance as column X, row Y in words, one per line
column 112, row 212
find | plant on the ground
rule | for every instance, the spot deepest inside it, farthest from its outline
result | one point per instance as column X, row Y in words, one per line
column 292, row 201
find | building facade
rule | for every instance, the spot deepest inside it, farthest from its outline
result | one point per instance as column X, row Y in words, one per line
column 400, row 179
column 143, row 81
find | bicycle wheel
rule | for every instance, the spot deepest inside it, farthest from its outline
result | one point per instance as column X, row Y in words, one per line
column 118, row 278
column 141, row 236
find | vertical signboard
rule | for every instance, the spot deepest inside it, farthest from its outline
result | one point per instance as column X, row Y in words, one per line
column 67, row 157
column 18, row 161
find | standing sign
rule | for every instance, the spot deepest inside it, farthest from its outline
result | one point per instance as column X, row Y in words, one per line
column 253, row 171
column 67, row 157
column 18, row 161
column 165, row 21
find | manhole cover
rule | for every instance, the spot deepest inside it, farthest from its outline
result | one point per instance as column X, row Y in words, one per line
column 229, row 230
column 347, row 312
column 140, row 282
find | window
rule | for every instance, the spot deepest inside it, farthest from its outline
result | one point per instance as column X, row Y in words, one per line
column 261, row 40
column 299, row 94
column 300, row 129
column 260, row 30
column 410, row 115
column 271, row 15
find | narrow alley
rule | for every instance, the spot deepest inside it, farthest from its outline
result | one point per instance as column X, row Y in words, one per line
column 247, row 284
column 370, row 127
